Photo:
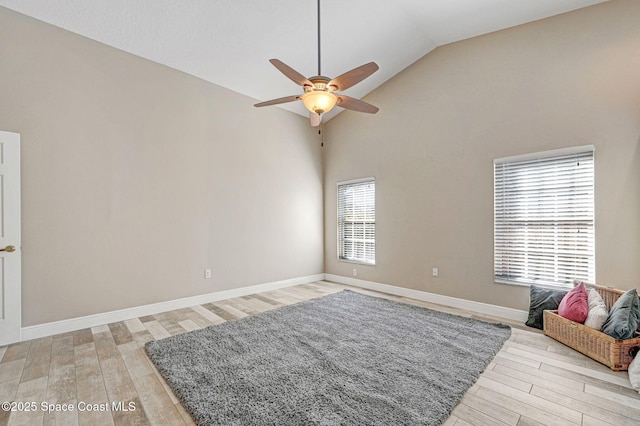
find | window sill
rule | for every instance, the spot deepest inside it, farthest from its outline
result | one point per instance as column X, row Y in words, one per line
column 357, row 262
column 541, row 285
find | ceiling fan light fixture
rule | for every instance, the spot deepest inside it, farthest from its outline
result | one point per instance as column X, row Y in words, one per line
column 319, row 101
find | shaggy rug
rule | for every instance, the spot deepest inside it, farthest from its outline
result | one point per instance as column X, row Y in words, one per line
column 343, row 359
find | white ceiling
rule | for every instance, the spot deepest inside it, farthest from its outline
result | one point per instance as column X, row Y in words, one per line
column 229, row 42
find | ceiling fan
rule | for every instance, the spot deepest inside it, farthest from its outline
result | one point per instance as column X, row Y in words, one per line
column 320, row 92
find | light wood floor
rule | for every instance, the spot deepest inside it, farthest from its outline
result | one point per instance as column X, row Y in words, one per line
column 533, row 379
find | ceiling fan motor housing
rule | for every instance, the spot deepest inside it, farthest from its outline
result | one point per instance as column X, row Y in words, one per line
column 320, row 82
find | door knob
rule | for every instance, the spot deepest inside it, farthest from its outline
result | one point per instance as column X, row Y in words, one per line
column 9, row 249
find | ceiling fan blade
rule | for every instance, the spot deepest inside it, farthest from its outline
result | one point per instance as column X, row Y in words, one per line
column 356, row 105
column 353, row 77
column 314, row 119
column 294, row 75
column 278, row 101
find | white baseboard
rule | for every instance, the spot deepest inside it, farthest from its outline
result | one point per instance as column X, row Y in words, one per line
column 73, row 324
column 479, row 307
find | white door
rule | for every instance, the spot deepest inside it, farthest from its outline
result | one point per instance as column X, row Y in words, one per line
column 10, row 259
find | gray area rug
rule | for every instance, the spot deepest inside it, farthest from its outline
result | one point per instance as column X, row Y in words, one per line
column 343, row 359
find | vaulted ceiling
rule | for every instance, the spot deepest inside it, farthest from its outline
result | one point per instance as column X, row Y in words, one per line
column 229, row 42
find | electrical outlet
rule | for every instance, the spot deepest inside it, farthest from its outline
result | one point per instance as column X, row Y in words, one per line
column 207, row 273
column 355, row 272
column 434, row 272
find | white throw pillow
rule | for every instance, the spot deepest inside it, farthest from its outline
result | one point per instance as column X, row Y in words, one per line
column 634, row 373
column 598, row 312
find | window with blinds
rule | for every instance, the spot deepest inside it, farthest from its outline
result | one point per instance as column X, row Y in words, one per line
column 357, row 221
column 544, row 218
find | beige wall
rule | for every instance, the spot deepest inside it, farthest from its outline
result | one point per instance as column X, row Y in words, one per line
column 137, row 177
column 565, row 81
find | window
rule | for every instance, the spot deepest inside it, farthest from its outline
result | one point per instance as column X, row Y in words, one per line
column 357, row 221
column 544, row 218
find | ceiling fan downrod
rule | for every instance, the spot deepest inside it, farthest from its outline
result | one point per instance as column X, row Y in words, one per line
column 319, row 70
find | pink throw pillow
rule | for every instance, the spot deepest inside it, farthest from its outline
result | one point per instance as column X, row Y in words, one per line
column 575, row 305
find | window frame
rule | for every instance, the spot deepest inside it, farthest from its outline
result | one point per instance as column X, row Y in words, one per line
column 339, row 246
column 537, row 224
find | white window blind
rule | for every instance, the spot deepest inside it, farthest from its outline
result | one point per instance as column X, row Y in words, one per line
column 357, row 221
column 544, row 218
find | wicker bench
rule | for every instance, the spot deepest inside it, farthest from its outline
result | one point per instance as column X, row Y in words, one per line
column 595, row 344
